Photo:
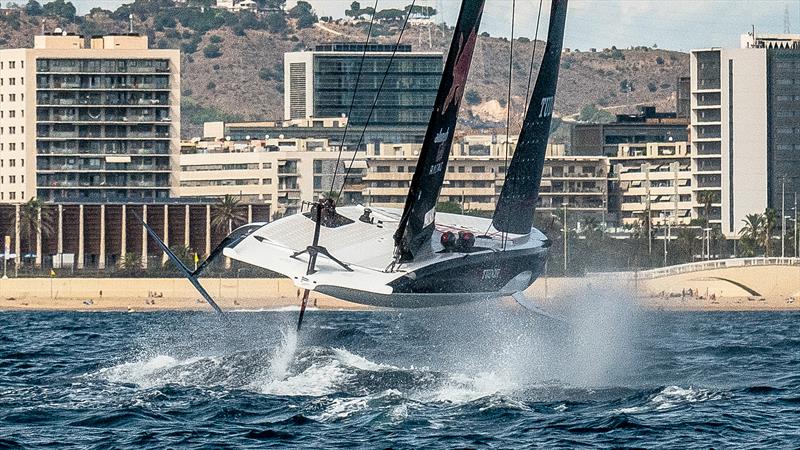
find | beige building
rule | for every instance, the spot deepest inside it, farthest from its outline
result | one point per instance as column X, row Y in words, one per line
column 282, row 173
column 94, row 120
column 654, row 178
column 476, row 172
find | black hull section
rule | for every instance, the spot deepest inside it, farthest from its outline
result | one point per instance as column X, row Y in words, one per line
column 487, row 272
column 470, row 279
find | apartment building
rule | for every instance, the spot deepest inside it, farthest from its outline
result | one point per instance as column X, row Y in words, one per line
column 599, row 139
column 745, row 124
column 653, row 178
column 476, row 172
column 94, row 120
column 281, row 173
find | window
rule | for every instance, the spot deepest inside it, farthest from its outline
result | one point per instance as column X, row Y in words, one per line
column 12, row 179
column 11, row 64
column 12, row 195
column 266, row 165
column 382, row 169
column 12, row 81
column 401, row 169
column 266, row 181
column 12, row 97
column 461, row 169
column 12, row 114
column 478, row 169
column 12, row 163
column 12, row 130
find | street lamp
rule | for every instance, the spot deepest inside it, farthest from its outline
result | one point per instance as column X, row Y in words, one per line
column 565, row 231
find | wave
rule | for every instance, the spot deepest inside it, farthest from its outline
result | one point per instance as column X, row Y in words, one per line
column 672, row 397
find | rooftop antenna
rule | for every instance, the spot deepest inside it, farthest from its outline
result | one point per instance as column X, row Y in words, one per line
column 130, row 19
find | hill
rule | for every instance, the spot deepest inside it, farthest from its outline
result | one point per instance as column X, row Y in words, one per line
column 233, row 62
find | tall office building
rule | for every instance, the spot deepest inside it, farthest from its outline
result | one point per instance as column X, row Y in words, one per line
column 321, row 83
column 745, row 127
column 96, row 123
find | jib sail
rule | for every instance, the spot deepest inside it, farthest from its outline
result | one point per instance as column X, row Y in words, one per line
column 517, row 202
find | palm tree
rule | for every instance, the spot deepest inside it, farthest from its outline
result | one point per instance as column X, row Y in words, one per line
column 685, row 241
column 130, row 263
column 707, row 198
column 752, row 234
column 769, row 223
column 227, row 213
column 33, row 218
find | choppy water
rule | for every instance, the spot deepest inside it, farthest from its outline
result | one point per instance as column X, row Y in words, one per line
column 480, row 376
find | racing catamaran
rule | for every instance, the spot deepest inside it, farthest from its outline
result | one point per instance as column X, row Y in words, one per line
column 416, row 257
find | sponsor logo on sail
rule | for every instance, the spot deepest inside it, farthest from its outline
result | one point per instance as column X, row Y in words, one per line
column 441, row 136
column 547, row 107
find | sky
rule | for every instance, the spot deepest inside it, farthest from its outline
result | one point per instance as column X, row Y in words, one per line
column 671, row 24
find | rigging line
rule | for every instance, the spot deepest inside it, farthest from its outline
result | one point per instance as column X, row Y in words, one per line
column 377, row 95
column 353, row 100
column 533, row 57
column 508, row 102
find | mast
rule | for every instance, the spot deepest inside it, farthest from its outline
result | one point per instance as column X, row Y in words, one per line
column 517, row 202
column 417, row 222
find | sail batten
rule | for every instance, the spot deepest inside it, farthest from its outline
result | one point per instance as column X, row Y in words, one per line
column 517, row 201
column 419, row 214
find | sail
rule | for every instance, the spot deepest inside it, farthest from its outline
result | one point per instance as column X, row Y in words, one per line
column 417, row 222
column 517, row 202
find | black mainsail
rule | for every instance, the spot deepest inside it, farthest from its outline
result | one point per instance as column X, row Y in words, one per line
column 517, row 202
column 417, row 222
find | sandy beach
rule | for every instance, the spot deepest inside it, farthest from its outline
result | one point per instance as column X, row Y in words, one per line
column 155, row 294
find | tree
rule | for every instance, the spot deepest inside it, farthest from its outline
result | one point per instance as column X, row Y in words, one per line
column 276, row 23
column 130, row 263
column 227, row 213
column 421, row 11
column 769, row 224
column 212, row 51
column 354, row 11
column 448, row 207
column 390, row 14
column 751, row 234
column 34, row 217
column 707, row 198
column 472, row 97
column 304, row 14
column 33, row 8
column 60, row 8
column 184, row 253
column 592, row 114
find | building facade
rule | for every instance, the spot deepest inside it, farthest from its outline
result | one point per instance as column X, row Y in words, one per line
column 89, row 123
column 647, row 126
column 745, row 127
column 476, row 172
column 652, row 179
column 322, row 83
column 102, row 236
column 280, row 173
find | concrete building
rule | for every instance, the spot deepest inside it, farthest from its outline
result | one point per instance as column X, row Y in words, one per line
column 280, row 173
column 330, row 128
column 100, row 236
column 476, row 172
column 745, row 127
column 321, row 83
column 95, row 121
column 647, row 126
column 653, row 178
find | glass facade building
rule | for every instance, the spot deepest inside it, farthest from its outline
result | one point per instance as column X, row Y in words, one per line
column 323, row 83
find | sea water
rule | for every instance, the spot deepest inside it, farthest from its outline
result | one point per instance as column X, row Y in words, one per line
column 486, row 375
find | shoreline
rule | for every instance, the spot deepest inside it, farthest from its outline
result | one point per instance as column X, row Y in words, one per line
column 276, row 294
